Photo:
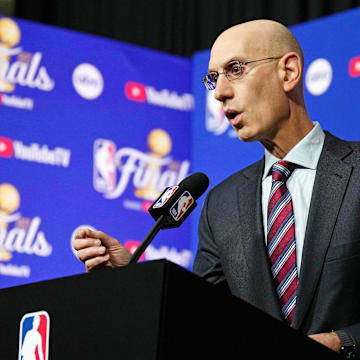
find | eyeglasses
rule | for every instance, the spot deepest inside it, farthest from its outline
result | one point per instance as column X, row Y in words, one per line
column 233, row 71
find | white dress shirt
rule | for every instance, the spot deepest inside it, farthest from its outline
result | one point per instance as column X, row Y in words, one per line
column 306, row 153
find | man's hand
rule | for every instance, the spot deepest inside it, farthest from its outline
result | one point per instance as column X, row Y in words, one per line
column 97, row 249
column 330, row 340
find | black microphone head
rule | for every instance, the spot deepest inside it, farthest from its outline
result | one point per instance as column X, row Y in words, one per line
column 176, row 202
column 196, row 183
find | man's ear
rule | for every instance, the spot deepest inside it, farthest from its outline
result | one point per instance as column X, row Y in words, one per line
column 290, row 71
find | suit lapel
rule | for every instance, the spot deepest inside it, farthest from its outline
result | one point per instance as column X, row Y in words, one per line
column 261, row 289
column 331, row 181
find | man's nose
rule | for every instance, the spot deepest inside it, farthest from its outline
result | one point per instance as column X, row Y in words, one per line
column 223, row 89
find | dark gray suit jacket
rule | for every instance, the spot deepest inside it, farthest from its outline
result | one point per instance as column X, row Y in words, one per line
column 232, row 246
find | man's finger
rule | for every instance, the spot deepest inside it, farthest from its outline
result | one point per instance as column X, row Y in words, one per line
column 79, row 244
column 81, row 233
column 92, row 252
column 105, row 239
column 96, row 261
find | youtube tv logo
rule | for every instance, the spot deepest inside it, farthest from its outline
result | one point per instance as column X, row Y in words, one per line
column 354, row 66
column 135, row 91
column 6, row 147
column 142, row 93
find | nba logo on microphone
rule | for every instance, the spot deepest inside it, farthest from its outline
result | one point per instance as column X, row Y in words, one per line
column 34, row 336
column 178, row 210
column 165, row 197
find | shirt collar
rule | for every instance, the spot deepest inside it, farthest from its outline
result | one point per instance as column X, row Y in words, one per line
column 305, row 153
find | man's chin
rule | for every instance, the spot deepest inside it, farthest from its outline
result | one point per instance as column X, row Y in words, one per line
column 245, row 136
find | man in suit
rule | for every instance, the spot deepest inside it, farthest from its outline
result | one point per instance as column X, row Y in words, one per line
column 289, row 245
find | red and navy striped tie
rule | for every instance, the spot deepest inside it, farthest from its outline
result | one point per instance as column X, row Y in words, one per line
column 281, row 239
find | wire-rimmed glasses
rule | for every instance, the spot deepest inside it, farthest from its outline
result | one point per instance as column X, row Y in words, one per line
column 232, row 72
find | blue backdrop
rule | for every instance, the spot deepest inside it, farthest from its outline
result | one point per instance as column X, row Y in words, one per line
column 92, row 130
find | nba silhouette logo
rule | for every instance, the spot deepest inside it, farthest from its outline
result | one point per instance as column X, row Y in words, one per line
column 104, row 165
column 178, row 210
column 34, row 336
column 165, row 197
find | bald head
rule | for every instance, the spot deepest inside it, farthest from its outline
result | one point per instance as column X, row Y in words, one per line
column 262, row 38
column 261, row 87
column 257, row 39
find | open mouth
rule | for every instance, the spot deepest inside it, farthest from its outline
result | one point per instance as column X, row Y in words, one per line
column 230, row 114
column 233, row 117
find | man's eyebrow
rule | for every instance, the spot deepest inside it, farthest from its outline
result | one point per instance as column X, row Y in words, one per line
column 228, row 62
column 235, row 58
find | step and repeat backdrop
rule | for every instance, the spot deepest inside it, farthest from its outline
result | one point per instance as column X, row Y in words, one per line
column 92, row 130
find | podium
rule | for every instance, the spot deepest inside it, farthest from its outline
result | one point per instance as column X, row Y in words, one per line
column 148, row 311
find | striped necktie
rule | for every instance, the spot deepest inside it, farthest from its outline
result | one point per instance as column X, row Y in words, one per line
column 281, row 239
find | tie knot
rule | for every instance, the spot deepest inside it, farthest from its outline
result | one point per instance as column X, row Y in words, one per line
column 282, row 170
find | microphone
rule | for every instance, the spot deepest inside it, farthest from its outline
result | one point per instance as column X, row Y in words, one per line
column 177, row 202
column 172, row 207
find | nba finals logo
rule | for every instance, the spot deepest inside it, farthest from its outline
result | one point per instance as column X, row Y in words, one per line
column 151, row 172
column 34, row 336
column 18, row 234
column 26, row 69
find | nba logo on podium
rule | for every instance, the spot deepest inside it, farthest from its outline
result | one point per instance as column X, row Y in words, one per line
column 34, row 336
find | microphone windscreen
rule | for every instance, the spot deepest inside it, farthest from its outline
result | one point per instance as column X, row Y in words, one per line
column 196, row 183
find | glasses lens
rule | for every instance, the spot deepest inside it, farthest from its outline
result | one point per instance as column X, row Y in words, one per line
column 235, row 71
column 209, row 82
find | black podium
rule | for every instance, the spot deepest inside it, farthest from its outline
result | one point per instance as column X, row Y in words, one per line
column 154, row 310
